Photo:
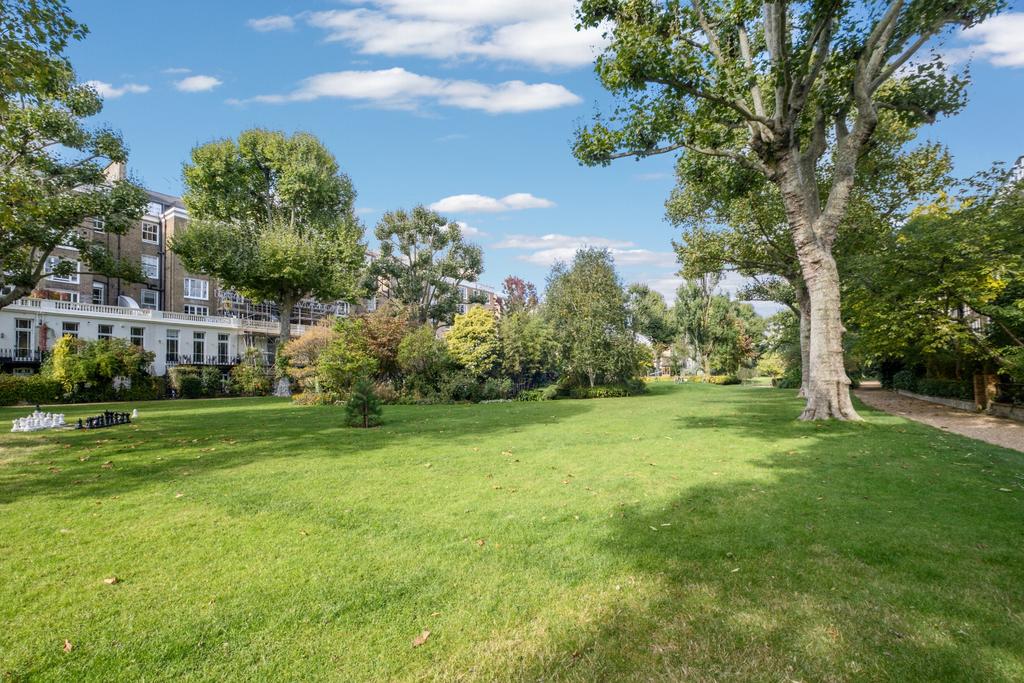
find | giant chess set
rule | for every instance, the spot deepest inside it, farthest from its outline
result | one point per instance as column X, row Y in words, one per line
column 107, row 419
column 38, row 420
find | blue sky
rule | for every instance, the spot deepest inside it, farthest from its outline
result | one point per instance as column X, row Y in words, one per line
column 469, row 105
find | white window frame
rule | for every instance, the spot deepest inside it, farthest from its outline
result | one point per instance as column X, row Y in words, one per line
column 102, row 335
column 156, row 232
column 69, row 329
column 223, row 348
column 156, row 300
column 172, row 336
column 98, row 224
column 204, row 289
column 195, row 309
column 137, row 336
column 103, row 298
column 198, row 347
column 151, row 264
column 53, row 261
column 23, row 328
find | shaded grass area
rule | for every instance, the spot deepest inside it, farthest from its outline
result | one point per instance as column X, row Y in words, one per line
column 697, row 533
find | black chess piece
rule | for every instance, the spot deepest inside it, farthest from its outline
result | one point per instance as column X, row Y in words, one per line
column 80, row 425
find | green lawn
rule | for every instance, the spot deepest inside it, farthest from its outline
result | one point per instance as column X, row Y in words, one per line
column 698, row 533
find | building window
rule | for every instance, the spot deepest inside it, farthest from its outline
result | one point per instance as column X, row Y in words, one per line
column 155, row 209
column 138, row 334
column 222, row 349
column 69, row 329
column 22, row 338
column 193, row 309
column 198, row 346
column 105, row 331
column 371, row 304
column 98, row 224
column 150, row 232
column 343, row 308
column 172, row 346
column 62, row 295
column 149, row 297
column 99, row 293
column 51, row 264
column 151, row 266
column 197, row 289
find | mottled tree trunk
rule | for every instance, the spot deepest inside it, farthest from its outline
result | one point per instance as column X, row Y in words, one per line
column 828, row 389
column 803, row 302
column 284, row 315
column 825, row 384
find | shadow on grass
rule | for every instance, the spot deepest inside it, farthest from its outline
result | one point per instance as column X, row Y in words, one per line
column 868, row 553
column 200, row 437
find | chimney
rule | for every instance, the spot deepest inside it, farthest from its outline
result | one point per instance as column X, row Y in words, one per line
column 115, row 171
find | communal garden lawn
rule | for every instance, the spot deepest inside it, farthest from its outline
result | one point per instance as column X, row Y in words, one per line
column 697, row 533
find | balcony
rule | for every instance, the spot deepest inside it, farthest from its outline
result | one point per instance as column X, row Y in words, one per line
column 143, row 315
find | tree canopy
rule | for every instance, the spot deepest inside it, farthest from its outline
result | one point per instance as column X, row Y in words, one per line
column 792, row 91
column 51, row 164
column 424, row 259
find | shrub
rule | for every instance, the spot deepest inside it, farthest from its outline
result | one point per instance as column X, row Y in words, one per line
column 946, row 388
column 905, row 380
column 718, row 379
column 185, row 380
column 771, row 364
column 212, row 382
column 87, row 370
column 30, row 389
column 496, row 388
column 424, row 361
column 303, row 357
column 461, row 385
column 473, row 341
column 250, row 377
column 618, row 390
column 548, row 393
column 362, row 408
column 346, row 359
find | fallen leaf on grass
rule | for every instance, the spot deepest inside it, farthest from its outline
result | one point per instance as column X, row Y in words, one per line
column 67, row 645
column 107, row 465
column 178, row 495
column 111, row 580
column 420, row 639
column 480, row 541
column 1003, row 490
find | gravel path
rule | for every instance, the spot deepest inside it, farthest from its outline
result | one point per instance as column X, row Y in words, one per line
column 995, row 430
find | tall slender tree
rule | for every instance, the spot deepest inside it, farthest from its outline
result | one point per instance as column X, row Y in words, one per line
column 782, row 89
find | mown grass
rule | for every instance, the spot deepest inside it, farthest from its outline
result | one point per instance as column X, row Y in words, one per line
column 698, row 533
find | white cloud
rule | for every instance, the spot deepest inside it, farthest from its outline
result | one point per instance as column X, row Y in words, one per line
column 478, row 203
column 198, row 83
column 109, row 91
column 470, row 231
column 545, row 250
column 177, row 70
column 651, row 177
column 277, row 22
column 397, row 88
column 999, row 40
column 538, row 32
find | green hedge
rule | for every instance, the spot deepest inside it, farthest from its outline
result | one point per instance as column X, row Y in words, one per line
column 32, row 389
column 946, row 388
column 717, row 379
column 904, row 380
column 619, row 390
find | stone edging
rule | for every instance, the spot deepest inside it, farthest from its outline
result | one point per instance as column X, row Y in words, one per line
column 969, row 406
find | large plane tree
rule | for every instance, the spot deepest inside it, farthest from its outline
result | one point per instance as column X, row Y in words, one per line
column 790, row 90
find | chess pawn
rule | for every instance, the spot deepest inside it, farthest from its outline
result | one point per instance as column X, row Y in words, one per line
column 135, row 414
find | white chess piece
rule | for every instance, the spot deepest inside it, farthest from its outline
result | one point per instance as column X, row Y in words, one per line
column 135, row 413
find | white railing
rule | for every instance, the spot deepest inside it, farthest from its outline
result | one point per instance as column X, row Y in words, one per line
column 96, row 310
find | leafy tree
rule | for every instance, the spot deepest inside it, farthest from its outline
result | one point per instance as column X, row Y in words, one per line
column 52, row 165
column 649, row 315
column 347, row 359
column 587, row 309
column 739, row 340
column 303, row 356
column 518, row 295
column 79, row 364
column 362, row 409
column 423, row 359
column 424, row 260
column 948, row 283
column 782, row 89
column 272, row 217
column 703, row 318
column 527, row 346
column 473, row 341
column 384, row 330
column 733, row 218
